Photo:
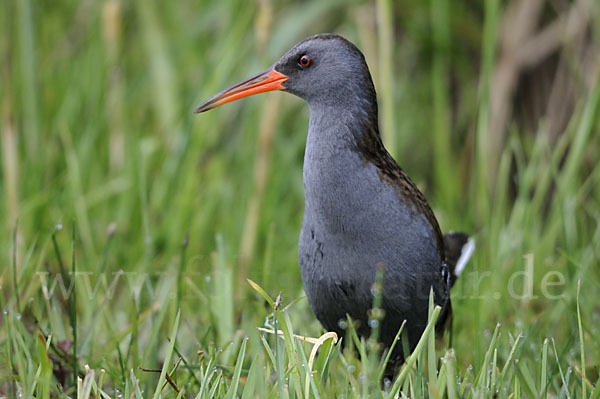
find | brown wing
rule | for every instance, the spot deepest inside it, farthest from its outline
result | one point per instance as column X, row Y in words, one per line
column 372, row 149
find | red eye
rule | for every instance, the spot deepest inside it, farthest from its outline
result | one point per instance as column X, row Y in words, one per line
column 304, row 61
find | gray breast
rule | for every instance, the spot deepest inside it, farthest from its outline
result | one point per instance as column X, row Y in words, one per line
column 354, row 222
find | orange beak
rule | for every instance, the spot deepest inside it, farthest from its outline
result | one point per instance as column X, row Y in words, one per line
column 265, row 81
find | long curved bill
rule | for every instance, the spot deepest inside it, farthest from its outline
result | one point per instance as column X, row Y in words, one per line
column 265, row 81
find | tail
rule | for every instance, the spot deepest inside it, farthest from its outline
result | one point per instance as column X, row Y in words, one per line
column 458, row 248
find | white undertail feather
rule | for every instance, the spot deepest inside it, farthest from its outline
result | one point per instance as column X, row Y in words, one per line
column 465, row 255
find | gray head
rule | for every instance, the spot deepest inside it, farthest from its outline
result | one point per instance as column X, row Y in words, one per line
column 324, row 70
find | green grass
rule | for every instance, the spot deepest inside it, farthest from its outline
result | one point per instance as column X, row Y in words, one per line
column 162, row 215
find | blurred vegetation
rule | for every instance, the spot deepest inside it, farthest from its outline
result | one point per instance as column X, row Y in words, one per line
column 491, row 107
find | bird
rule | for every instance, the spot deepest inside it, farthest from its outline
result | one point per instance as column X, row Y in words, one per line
column 362, row 213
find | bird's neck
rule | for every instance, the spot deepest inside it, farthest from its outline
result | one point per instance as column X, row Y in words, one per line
column 344, row 126
column 346, row 118
column 335, row 178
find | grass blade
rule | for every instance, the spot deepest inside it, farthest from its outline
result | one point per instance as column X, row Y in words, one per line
column 544, row 365
column 168, row 356
column 410, row 362
column 581, row 344
column 235, row 380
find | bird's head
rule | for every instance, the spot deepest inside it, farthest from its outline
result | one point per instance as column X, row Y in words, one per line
column 323, row 69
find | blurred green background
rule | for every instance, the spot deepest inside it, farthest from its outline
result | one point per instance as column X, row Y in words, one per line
column 490, row 106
